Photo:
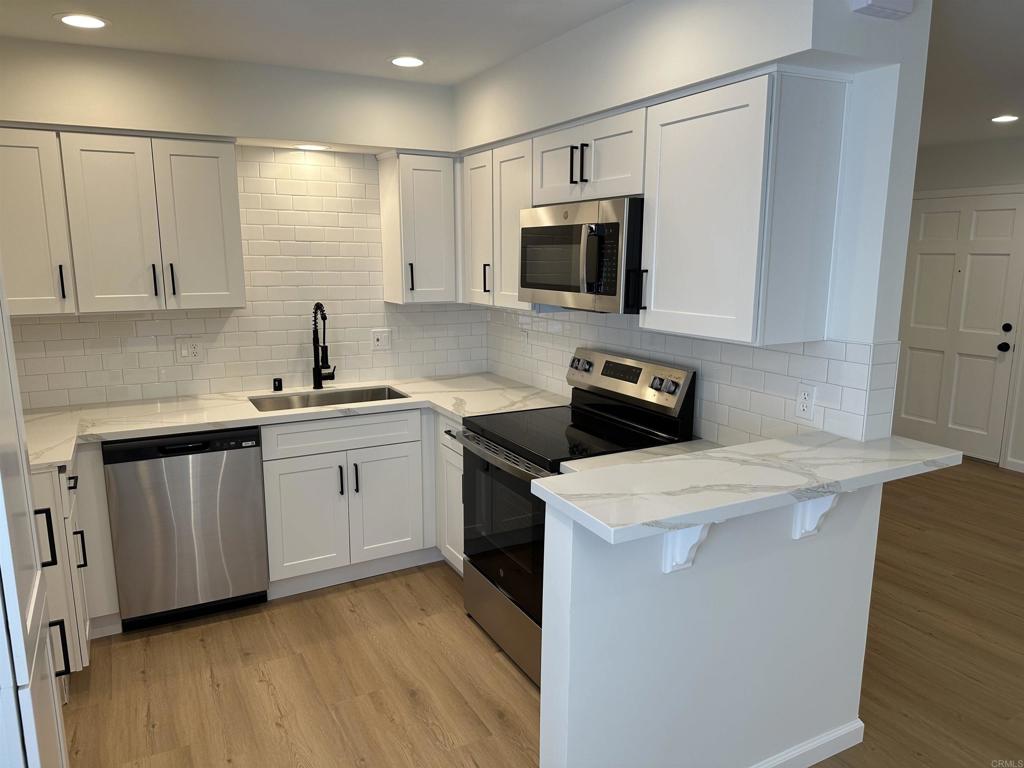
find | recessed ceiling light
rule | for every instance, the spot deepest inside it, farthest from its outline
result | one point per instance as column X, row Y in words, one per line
column 81, row 20
column 312, row 147
column 407, row 61
column 1005, row 119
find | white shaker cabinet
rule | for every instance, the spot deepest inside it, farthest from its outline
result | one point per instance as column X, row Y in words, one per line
column 307, row 514
column 200, row 231
column 417, row 208
column 512, row 176
column 740, row 199
column 450, row 524
column 34, row 241
column 386, row 500
column 602, row 158
column 478, row 228
column 113, row 215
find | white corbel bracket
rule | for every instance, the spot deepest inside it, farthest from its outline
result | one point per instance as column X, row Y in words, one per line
column 807, row 515
column 679, row 548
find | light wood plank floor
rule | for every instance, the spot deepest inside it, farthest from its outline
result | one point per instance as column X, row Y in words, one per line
column 390, row 672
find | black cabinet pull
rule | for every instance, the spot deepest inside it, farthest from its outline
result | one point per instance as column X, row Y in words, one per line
column 355, row 471
column 583, row 148
column 486, row 289
column 174, row 282
column 412, row 277
column 156, row 289
column 60, row 273
column 85, row 554
column 1003, row 346
column 59, row 623
column 572, row 163
column 341, row 480
column 72, row 482
column 1007, row 327
column 643, row 274
column 50, row 541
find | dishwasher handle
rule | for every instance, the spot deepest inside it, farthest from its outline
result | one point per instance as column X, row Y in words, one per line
column 178, row 450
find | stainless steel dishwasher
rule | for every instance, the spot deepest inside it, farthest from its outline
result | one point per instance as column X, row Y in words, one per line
column 187, row 522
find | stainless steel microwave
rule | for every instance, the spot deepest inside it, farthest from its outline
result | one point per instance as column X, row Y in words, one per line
column 583, row 255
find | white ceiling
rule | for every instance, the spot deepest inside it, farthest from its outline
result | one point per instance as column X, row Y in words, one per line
column 457, row 38
column 975, row 71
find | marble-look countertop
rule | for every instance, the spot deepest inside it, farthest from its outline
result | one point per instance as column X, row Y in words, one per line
column 630, row 501
column 54, row 433
column 642, row 456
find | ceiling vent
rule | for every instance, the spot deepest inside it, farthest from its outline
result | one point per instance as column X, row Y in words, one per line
column 883, row 9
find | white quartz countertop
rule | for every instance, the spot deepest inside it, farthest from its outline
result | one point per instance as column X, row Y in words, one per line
column 54, row 433
column 630, row 501
column 642, row 456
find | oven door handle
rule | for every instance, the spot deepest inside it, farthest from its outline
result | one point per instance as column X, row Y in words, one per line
column 497, row 460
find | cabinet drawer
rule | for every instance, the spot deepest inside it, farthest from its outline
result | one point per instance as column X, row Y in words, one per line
column 445, row 425
column 342, row 433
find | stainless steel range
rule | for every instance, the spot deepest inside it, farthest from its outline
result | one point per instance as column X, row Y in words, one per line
column 618, row 404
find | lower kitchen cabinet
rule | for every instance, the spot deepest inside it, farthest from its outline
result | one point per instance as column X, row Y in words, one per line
column 386, row 503
column 332, row 509
column 307, row 514
column 449, row 505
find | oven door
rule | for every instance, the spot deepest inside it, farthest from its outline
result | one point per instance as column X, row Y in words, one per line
column 570, row 255
column 504, row 526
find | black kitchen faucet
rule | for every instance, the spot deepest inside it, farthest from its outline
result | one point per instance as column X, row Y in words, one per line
column 321, row 363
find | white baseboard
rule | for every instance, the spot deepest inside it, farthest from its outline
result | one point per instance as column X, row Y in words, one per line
column 821, row 747
column 347, row 573
column 104, row 626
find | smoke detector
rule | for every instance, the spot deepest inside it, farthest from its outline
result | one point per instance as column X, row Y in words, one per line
column 883, row 9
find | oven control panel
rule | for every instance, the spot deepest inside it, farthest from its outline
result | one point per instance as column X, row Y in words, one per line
column 655, row 384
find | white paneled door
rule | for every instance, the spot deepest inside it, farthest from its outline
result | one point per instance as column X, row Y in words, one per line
column 34, row 225
column 478, row 229
column 961, row 304
column 113, row 216
column 386, row 500
column 513, row 191
column 197, row 200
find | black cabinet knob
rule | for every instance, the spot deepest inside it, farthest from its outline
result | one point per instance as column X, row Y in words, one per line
column 1007, row 327
column 1004, row 346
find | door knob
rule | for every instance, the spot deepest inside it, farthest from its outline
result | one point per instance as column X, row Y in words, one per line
column 1007, row 327
column 1003, row 346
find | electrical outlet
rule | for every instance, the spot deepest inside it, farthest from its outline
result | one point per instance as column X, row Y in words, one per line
column 805, row 394
column 381, row 339
column 189, row 350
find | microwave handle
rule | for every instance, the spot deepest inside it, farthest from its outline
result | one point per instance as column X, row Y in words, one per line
column 590, row 245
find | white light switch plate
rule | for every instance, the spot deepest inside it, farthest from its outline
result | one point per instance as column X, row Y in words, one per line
column 805, row 395
column 381, row 339
column 190, row 351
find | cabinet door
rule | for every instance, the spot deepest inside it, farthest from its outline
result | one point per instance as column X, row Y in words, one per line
column 449, row 503
column 200, row 230
column 307, row 514
column 78, row 562
column 704, row 204
column 478, row 229
column 112, row 212
column 386, row 504
column 556, row 167
column 513, row 187
column 611, row 162
column 34, row 224
column 42, row 720
column 427, row 201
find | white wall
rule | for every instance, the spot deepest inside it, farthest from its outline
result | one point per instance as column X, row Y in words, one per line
column 106, row 87
column 990, row 163
column 310, row 232
column 640, row 50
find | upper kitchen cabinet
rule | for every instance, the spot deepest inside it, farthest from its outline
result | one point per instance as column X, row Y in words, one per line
column 417, row 207
column 478, row 228
column 200, row 231
column 114, row 231
column 740, row 187
column 512, row 176
column 34, row 241
column 603, row 158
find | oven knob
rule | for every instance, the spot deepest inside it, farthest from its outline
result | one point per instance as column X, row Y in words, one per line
column 575, row 364
column 656, row 382
column 586, row 366
column 671, row 387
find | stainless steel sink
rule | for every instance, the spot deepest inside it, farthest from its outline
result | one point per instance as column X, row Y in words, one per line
column 324, row 397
